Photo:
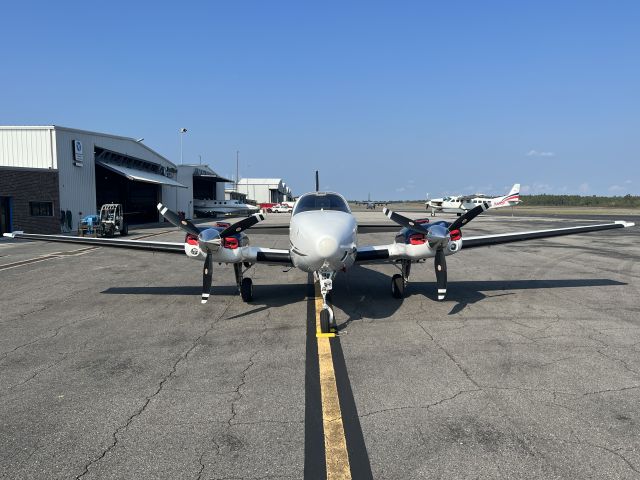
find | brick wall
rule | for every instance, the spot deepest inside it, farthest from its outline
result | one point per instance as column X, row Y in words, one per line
column 26, row 185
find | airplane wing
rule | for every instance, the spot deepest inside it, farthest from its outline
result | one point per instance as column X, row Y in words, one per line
column 488, row 240
column 270, row 256
column 398, row 251
column 164, row 247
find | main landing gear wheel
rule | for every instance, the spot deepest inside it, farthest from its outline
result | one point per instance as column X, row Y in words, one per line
column 397, row 286
column 246, row 289
column 325, row 321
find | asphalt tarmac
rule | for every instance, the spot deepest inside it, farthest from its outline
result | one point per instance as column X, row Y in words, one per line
column 111, row 368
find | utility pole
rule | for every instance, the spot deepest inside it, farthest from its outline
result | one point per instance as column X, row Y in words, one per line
column 182, row 132
column 237, row 168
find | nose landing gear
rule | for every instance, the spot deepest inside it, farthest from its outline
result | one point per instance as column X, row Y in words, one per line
column 326, row 314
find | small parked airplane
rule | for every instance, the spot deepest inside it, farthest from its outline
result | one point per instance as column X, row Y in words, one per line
column 462, row 203
column 323, row 241
column 212, row 208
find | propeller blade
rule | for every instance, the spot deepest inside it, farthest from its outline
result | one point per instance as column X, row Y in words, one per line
column 404, row 221
column 173, row 218
column 441, row 273
column 468, row 216
column 207, row 277
column 242, row 225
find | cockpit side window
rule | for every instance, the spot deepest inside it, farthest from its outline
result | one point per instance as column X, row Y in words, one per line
column 321, row 201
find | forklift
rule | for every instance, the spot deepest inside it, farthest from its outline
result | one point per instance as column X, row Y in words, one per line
column 112, row 220
column 109, row 222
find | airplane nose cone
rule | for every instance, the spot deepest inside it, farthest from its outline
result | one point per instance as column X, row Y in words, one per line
column 327, row 247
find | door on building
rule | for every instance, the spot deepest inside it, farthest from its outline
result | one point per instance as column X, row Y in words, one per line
column 138, row 199
column 5, row 215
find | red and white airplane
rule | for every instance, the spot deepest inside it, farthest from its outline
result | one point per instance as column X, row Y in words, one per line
column 461, row 203
column 323, row 241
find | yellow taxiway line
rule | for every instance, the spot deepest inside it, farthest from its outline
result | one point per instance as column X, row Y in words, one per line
column 335, row 443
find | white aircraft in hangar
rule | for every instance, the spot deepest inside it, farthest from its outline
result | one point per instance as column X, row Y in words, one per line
column 462, row 203
column 323, row 241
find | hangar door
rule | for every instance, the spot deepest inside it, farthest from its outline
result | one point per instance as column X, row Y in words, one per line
column 138, row 199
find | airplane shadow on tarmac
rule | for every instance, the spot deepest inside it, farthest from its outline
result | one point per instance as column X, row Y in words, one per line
column 366, row 293
column 264, row 296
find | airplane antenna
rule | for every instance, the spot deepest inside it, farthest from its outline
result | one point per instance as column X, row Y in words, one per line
column 317, row 182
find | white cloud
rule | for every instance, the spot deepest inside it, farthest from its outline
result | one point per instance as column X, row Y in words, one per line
column 616, row 188
column 400, row 189
column 628, row 182
column 525, row 189
column 536, row 153
column 584, row 187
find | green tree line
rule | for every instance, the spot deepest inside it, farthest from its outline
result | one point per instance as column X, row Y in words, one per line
column 628, row 201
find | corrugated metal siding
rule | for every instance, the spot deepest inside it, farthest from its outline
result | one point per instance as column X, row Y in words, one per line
column 26, row 148
column 77, row 184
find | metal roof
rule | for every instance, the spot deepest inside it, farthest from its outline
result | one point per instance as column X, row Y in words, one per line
column 86, row 132
column 140, row 175
column 260, row 181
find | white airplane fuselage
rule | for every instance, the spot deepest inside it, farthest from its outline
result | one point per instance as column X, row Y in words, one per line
column 323, row 240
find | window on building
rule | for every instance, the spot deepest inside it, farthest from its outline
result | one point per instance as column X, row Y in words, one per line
column 41, row 209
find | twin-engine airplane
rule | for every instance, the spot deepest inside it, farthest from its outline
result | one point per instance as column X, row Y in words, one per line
column 461, row 203
column 322, row 235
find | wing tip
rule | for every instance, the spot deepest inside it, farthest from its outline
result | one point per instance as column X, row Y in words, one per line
column 625, row 224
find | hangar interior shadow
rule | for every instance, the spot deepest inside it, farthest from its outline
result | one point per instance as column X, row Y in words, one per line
column 366, row 293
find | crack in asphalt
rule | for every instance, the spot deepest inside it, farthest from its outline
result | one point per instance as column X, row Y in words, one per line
column 255, row 478
column 167, row 377
column 237, row 397
column 446, row 352
column 616, row 359
column 615, row 452
column 238, row 393
column 22, row 316
column 612, row 390
column 56, row 331
column 419, row 407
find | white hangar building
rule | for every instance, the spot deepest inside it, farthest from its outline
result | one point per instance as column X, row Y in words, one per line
column 265, row 190
column 201, row 183
column 52, row 176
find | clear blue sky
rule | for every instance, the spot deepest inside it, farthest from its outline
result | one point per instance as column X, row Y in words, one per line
column 393, row 98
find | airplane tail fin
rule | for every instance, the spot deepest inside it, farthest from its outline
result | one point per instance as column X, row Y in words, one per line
column 511, row 198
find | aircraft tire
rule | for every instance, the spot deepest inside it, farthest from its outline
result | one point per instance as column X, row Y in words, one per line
column 397, row 286
column 246, row 289
column 325, row 321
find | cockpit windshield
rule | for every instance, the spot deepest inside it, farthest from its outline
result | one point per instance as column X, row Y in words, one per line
column 321, row 201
